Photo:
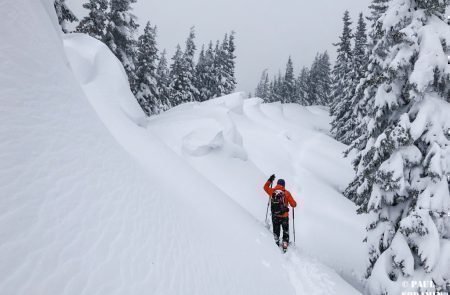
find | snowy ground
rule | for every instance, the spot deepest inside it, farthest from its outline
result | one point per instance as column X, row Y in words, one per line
column 97, row 200
column 237, row 143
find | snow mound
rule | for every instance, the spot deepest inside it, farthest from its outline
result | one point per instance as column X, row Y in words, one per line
column 211, row 127
column 234, row 102
column 200, row 143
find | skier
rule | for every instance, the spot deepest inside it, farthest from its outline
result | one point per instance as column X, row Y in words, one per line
column 280, row 199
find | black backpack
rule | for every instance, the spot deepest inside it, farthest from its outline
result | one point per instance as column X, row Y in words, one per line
column 278, row 203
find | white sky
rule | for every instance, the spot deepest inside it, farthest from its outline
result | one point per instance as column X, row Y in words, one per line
column 267, row 31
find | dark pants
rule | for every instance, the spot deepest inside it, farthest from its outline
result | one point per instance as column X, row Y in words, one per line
column 278, row 223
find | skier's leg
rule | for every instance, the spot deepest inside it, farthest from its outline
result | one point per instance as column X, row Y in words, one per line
column 285, row 226
column 276, row 229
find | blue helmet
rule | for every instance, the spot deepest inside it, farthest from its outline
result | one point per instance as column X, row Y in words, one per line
column 281, row 182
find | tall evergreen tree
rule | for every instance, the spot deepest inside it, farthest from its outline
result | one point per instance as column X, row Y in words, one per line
column 147, row 92
column 318, row 81
column 277, row 90
column 343, row 76
column 219, row 89
column 350, row 121
column 183, row 73
column 211, row 81
column 403, row 161
column 64, row 14
column 301, row 87
column 94, row 24
column 263, row 88
column 367, row 86
column 323, row 90
column 120, row 35
column 288, row 87
column 313, row 81
column 201, row 76
column 206, row 73
column 271, row 91
column 230, row 49
column 177, row 95
column 163, row 81
column 189, row 66
column 224, row 66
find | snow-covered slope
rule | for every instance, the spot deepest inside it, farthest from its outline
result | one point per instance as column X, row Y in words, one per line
column 92, row 202
column 237, row 143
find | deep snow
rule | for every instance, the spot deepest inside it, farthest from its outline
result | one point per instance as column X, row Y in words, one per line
column 95, row 199
column 237, row 143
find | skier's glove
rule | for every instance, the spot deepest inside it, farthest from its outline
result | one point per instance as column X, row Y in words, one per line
column 271, row 178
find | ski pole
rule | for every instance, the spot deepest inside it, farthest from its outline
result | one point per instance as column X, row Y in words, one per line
column 267, row 210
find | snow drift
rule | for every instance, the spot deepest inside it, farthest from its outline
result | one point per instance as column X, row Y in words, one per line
column 79, row 215
column 96, row 200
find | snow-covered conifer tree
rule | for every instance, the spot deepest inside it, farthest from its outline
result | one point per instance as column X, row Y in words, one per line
column 183, row 73
column 288, row 87
column 163, row 81
column 224, row 66
column 270, row 97
column 211, row 81
column 313, row 82
column 301, row 87
column 188, row 92
column 201, row 74
column 367, row 87
column 229, row 49
column 206, row 81
column 343, row 76
column 277, row 93
column 360, row 52
column 64, row 14
column 94, row 24
column 349, row 121
column 317, row 82
column 147, row 92
column 323, row 90
column 120, row 35
column 403, row 164
column 218, row 88
column 176, row 78
column 263, row 88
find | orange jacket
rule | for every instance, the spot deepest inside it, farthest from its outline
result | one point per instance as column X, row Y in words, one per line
column 289, row 199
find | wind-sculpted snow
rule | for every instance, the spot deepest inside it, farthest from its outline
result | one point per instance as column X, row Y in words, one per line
column 220, row 133
column 232, row 252
column 203, row 142
column 92, row 202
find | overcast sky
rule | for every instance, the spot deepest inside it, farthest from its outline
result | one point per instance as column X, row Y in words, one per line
column 267, row 31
